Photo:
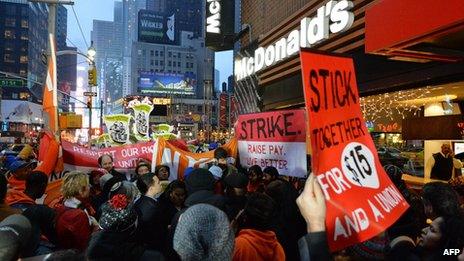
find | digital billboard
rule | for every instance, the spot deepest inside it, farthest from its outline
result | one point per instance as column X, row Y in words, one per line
column 155, row 27
column 162, row 83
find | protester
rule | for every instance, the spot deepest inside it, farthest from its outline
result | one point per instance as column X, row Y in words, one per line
column 200, row 189
column 289, row 223
column 5, row 209
column 15, row 233
column 235, row 193
column 74, row 223
column 95, row 178
column 172, row 200
column 106, row 162
column 36, row 184
column 117, row 239
column 270, row 174
column 439, row 200
column 312, row 207
column 19, row 171
column 203, row 233
column 142, row 168
column 221, row 156
column 256, row 240
column 162, row 172
column 217, row 174
column 151, row 231
column 40, row 216
column 442, row 164
column 444, row 233
column 255, row 175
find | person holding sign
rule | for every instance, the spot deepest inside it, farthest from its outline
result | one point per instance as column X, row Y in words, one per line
column 312, row 207
column 442, row 164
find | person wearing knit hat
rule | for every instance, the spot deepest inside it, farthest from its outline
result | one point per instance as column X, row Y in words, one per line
column 117, row 239
column 15, row 233
column 200, row 189
column 117, row 214
column 203, row 233
column 235, row 188
column 26, row 153
column 270, row 174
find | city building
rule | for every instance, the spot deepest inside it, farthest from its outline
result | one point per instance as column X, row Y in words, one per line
column 107, row 38
column 23, row 41
column 130, row 9
column 217, row 81
column 66, row 64
column 409, row 65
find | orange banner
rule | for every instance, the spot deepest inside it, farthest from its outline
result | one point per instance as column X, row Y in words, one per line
column 361, row 200
column 178, row 160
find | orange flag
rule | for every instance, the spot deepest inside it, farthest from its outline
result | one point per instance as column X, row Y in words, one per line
column 50, row 100
column 49, row 150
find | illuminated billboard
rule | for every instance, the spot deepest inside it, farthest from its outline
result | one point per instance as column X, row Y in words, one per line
column 157, row 27
column 162, row 83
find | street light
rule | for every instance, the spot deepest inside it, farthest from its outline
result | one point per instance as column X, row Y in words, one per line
column 91, row 52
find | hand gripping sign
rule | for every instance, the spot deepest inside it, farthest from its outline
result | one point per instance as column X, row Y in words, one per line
column 361, row 200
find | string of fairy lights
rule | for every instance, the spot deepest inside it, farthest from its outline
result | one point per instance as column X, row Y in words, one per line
column 391, row 105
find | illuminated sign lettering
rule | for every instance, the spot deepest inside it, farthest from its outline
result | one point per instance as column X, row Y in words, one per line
column 213, row 21
column 333, row 17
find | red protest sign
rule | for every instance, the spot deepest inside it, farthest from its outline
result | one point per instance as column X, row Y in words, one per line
column 276, row 139
column 361, row 200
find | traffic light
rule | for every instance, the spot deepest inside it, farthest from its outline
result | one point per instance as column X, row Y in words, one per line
column 89, row 103
column 92, row 76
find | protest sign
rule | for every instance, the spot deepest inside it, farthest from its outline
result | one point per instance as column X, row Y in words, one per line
column 118, row 127
column 142, row 118
column 361, row 200
column 276, row 139
column 178, row 160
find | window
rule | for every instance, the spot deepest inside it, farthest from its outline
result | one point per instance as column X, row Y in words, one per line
column 161, row 53
column 11, row 22
column 151, row 70
column 11, row 10
column 152, row 52
column 169, row 63
column 139, row 52
column 23, row 72
column 24, row 36
column 199, row 108
column 14, row 95
column 178, row 55
column 162, row 63
column 156, row 62
column 174, row 55
column 144, row 52
column 23, row 59
column 178, row 64
column 8, row 58
column 151, row 62
column 169, row 54
column 9, row 47
column 24, row 24
column 9, row 34
column 169, row 71
column 156, row 53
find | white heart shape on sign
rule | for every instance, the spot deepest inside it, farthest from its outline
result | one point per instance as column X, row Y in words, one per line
column 358, row 165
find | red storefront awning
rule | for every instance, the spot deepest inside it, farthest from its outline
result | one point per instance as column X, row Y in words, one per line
column 420, row 31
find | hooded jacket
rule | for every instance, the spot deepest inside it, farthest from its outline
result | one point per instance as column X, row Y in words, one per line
column 253, row 244
column 18, row 199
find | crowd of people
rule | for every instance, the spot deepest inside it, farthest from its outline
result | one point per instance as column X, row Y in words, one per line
column 216, row 212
